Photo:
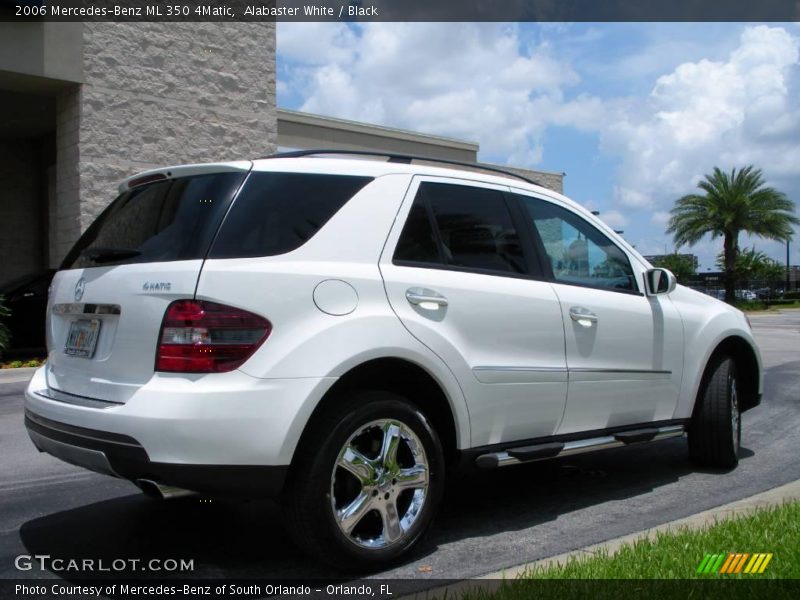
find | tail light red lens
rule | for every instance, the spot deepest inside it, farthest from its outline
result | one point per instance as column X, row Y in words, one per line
column 205, row 337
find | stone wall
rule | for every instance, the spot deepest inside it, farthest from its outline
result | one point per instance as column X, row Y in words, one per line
column 552, row 181
column 158, row 94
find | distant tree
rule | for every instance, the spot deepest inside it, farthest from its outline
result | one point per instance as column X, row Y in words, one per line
column 732, row 203
column 681, row 266
column 754, row 265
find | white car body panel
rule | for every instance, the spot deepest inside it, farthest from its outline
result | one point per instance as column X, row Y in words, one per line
column 626, row 368
column 509, row 359
column 707, row 322
column 501, row 336
column 305, row 340
column 211, row 419
column 126, row 346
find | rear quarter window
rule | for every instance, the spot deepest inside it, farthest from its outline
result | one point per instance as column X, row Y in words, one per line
column 276, row 213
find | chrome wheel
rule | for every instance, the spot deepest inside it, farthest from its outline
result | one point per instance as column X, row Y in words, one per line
column 379, row 484
column 736, row 416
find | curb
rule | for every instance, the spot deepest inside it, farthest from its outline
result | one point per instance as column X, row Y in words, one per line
column 745, row 506
column 16, row 375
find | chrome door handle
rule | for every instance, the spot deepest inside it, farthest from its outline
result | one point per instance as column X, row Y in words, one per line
column 427, row 299
column 583, row 316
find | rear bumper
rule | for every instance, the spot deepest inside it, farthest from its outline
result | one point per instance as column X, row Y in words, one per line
column 225, row 433
column 122, row 456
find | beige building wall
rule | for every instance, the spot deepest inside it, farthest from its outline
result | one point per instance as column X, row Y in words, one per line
column 304, row 131
column 157, row 94
column 299, row 130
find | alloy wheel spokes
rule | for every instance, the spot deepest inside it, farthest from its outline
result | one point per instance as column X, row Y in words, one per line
column 413, row 477
column 391, row 441
column 352, row 514
column 379, row 483
column 392, row 531
column 358, row 465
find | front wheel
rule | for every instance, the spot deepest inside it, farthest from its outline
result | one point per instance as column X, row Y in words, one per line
column 366, row 486
column 715, row 430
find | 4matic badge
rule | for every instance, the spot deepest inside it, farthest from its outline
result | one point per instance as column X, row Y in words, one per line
column 157, row 286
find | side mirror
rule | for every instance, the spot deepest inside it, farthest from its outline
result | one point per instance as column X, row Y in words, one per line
column 659, row 281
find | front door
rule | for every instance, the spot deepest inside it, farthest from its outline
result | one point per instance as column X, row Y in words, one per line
column 624, row 349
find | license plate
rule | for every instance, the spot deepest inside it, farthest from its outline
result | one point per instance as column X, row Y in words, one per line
column 82, row 338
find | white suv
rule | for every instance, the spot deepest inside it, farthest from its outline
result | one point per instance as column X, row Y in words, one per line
column 340, row 333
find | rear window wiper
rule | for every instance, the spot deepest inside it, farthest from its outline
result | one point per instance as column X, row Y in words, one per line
column 104, row 255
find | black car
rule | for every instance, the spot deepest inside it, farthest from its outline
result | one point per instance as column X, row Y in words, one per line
column 26, row 298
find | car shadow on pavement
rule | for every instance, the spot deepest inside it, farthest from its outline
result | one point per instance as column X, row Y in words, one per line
column 245, row 539
column 519, row 497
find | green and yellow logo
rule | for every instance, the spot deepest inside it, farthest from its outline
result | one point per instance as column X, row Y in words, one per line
column 734, row 562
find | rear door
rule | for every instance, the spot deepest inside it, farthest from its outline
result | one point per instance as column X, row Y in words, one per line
column 461, row 280
column 144, row 251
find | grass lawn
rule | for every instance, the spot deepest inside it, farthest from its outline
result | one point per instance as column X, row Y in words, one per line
column 660, row 568
column 677, row 554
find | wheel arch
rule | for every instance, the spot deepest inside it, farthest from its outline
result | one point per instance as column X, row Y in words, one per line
column 405, row 378
column 747, row 366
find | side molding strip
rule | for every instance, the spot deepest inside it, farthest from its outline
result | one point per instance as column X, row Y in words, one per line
column 520, row 374
column 501, row 374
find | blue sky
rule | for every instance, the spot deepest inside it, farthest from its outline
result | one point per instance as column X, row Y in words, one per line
column 633, row 113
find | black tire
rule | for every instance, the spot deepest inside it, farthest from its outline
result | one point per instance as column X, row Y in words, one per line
column 715, row 430
column 317, row 491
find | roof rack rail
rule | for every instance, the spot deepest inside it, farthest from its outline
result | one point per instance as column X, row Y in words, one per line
column 401, row 158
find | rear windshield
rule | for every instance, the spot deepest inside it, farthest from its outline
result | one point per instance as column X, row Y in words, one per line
column 163, row 221
column 276, row 213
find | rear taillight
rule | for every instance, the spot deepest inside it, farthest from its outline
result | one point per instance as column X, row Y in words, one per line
column 205, row 337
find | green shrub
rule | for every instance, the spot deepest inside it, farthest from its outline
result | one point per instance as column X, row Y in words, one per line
column 795, row 295
column 750, row 305
column 783, row 302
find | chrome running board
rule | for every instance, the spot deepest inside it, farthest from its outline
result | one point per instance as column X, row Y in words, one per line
column 516, row 456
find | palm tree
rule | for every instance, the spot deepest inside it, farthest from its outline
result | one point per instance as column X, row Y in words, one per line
column 729, row 205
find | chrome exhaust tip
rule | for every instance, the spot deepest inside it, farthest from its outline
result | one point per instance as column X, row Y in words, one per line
column 163, row 492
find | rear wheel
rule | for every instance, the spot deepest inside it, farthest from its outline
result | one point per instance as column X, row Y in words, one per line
column 365, row 486
column 715, row 430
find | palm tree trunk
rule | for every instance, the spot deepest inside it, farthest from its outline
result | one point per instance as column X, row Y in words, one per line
column 730, row 248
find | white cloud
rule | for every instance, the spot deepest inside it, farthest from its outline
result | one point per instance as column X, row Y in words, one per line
column 727, row 105
column 472, row 81
column 705, row 114
column 614, row 219
column 660, row 217
column 484, row 82
column 317, row 43
column 631, row 198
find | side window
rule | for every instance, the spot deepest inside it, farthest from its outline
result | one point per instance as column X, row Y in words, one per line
column 579, row 253
column 417, row 241
column 473, row 229
column 276, row 213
